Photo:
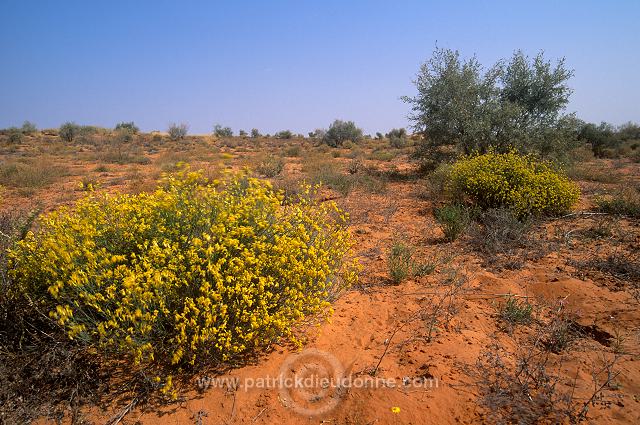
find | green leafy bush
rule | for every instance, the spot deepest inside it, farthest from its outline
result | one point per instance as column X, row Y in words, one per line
column 68, row 131
column 28, row 127
column 519, row 182
column 454, row 220
column 128, row 126
column 195, row 272
column 341, row 131
column 284, row 134
column 220, row 131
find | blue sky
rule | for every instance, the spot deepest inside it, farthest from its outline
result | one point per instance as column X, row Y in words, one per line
column 293, row 65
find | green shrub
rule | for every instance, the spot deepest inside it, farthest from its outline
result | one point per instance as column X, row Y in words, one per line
column 516, row 312
column 255, row 133
column 68, row 131
column 28, row 127
column 128, row 126
column 15, row 135
column 341, row 131
column 399, row 261
column 193, row 272
column 293, row 151
column 284, row 134
column 625, row 202
column 177, row 131
column 511, row 180
column 454, row 220
column 270, row 166
column 220, row 131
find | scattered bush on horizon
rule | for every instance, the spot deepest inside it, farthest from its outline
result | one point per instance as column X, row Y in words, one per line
column 178, row 131
column 194, row 272
column 284, row 134
column 128, row 126
column 242, row 133
column 341, row 131
column 397, row 137
column 28, row 127
column 220, row 131
column 68, row 131
column 519, row 182
column 255, row 133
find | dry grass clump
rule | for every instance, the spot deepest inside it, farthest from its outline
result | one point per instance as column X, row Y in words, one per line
column 30, row 175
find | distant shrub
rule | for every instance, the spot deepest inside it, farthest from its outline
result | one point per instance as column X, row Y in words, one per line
column 625, row 202
column 28, row 127
column 177, row 131
column 511, row 180
column 379, row 135
column 284, row 134
column 454, row 220
column 270, row 166
column 341, row 131
column 220, row 131
column 242, row 133
column 603, row 139
column 30, row 175
column 255, row 133
column 129, row 126
column 124, row 135
column 68, row 131
column 293, row 151
column 15, row 135
column 191, row 273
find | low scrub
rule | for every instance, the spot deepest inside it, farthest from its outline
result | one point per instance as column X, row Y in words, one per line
column 527, row 186
column 454, row 220
column 625, row 202
column 193, row 272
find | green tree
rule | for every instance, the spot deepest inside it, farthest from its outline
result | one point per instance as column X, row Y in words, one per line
column 461, row 108
column 220, row 131
column 129, row 126
column 601, row 137
column 341, row 131
column 68, row 131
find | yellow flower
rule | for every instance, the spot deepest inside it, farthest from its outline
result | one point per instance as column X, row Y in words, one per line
column 395, row 409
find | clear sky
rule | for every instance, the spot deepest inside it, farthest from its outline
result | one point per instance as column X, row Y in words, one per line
column 293, row 64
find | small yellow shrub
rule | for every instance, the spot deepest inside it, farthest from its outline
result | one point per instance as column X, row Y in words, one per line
column 195, row 271
column 494, row 180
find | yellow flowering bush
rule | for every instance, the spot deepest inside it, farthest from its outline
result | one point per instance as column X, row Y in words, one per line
column 494, row 180
column 196, row 270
